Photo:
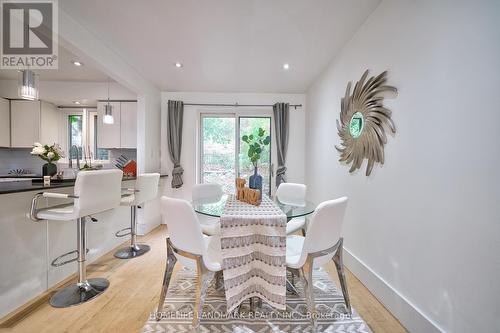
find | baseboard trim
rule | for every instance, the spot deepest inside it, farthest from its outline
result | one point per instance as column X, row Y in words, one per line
column 408, row 314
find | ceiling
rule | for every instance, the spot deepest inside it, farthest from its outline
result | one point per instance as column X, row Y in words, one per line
column 224, row 45
column 66, row 71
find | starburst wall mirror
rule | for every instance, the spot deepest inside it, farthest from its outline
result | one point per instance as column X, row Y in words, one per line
column 363, row 122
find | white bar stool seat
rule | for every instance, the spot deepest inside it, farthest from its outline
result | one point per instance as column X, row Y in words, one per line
column 146, row 189
column 94, row 192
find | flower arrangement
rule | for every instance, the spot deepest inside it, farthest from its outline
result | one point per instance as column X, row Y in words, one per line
column 48, row 153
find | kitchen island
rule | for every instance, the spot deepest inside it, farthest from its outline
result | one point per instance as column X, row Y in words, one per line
column 27, row 248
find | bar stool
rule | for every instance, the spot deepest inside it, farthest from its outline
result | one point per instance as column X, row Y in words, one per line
column 146, row 189
column 94, row 192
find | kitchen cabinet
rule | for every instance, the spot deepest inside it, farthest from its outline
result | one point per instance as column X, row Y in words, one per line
column 49, row 124
column 33, row 121
column 25, row 123
column 123, row 132
column 4, row 122
column 108, row 135
column 128, row 128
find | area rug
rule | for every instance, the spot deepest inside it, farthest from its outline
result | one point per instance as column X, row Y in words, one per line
column 178, row 310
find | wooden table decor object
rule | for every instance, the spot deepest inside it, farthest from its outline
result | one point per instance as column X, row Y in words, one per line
column 246, row 194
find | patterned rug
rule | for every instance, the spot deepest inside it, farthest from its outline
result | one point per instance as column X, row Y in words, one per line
column 178, row 307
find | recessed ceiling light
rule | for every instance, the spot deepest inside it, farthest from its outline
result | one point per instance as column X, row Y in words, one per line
column 178, row 65
column 77, row 63
column 286, row 66
column 76, row 102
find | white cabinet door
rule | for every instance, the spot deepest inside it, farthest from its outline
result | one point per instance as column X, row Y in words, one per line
column 49, row 125
column 4, row 123
column 128, row 125
column 108, row 135
column 25, row 123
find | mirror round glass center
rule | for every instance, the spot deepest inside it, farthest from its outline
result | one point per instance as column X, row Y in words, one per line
column 356, row 124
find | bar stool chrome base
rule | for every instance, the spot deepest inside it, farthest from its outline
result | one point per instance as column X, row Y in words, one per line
column 132, row 251
column 79, row 293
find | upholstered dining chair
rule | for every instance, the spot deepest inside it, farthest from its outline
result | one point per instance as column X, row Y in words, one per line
column 293, row 194
column 322, row 243
column 208, row 193
column 191, row 248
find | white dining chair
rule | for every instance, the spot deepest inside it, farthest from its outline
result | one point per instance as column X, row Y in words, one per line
column 208, row 193
column 293, row 194
column 322, row 243
column 191, row 248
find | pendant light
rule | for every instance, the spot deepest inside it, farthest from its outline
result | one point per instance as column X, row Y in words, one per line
column 108, row 112
column 28, row 85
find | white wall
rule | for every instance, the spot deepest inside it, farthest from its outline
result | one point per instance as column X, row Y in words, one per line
column 190, row 153
column 422, row 231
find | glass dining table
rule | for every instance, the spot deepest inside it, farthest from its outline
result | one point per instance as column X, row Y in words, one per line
column 215, row 207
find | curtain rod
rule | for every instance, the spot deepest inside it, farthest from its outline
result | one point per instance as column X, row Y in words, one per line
column 295, row 106
column 117, row 100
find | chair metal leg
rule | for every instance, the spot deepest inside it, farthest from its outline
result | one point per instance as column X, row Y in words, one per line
column 290, row 287
column 339, row 264
column 219, row 280
column 306, row 272
column 171, row 260
column 201, row 292
column 85, row 289
column 134, row 250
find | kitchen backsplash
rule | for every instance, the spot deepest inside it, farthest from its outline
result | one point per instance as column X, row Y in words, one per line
column 20, row 158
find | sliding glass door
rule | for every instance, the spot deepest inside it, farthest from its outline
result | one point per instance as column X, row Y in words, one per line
column 224, row 156
column 218, row 151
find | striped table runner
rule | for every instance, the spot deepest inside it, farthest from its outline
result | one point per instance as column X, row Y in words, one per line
column 253, row 243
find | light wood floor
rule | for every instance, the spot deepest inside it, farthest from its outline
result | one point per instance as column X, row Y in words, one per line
column 134, row 292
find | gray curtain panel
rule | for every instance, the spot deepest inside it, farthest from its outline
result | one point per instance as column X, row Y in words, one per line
column 281, row 122
column 175, row 113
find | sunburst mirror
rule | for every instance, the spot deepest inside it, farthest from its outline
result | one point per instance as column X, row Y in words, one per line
column 363, row 122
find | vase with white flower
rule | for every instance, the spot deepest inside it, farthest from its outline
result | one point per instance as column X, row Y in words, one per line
column 49, row 154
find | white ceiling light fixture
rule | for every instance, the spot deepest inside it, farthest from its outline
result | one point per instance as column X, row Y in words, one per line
column 286, row 66
column 179, row 65
column 108, row 112
column 28, row 85
column 76, row 102
column 77, row 63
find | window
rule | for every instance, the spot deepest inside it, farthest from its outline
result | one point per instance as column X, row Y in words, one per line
column 75, row 135
column 220, row 144
column 82, row 132
column 218, row 151
column 100, row 153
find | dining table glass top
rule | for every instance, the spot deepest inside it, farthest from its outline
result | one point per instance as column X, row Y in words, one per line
column 215, row 207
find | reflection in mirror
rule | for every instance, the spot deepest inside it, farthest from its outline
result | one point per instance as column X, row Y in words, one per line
column 356, row 124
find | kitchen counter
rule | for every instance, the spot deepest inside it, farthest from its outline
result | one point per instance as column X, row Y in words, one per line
column 27, row 248
column 26, row 185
